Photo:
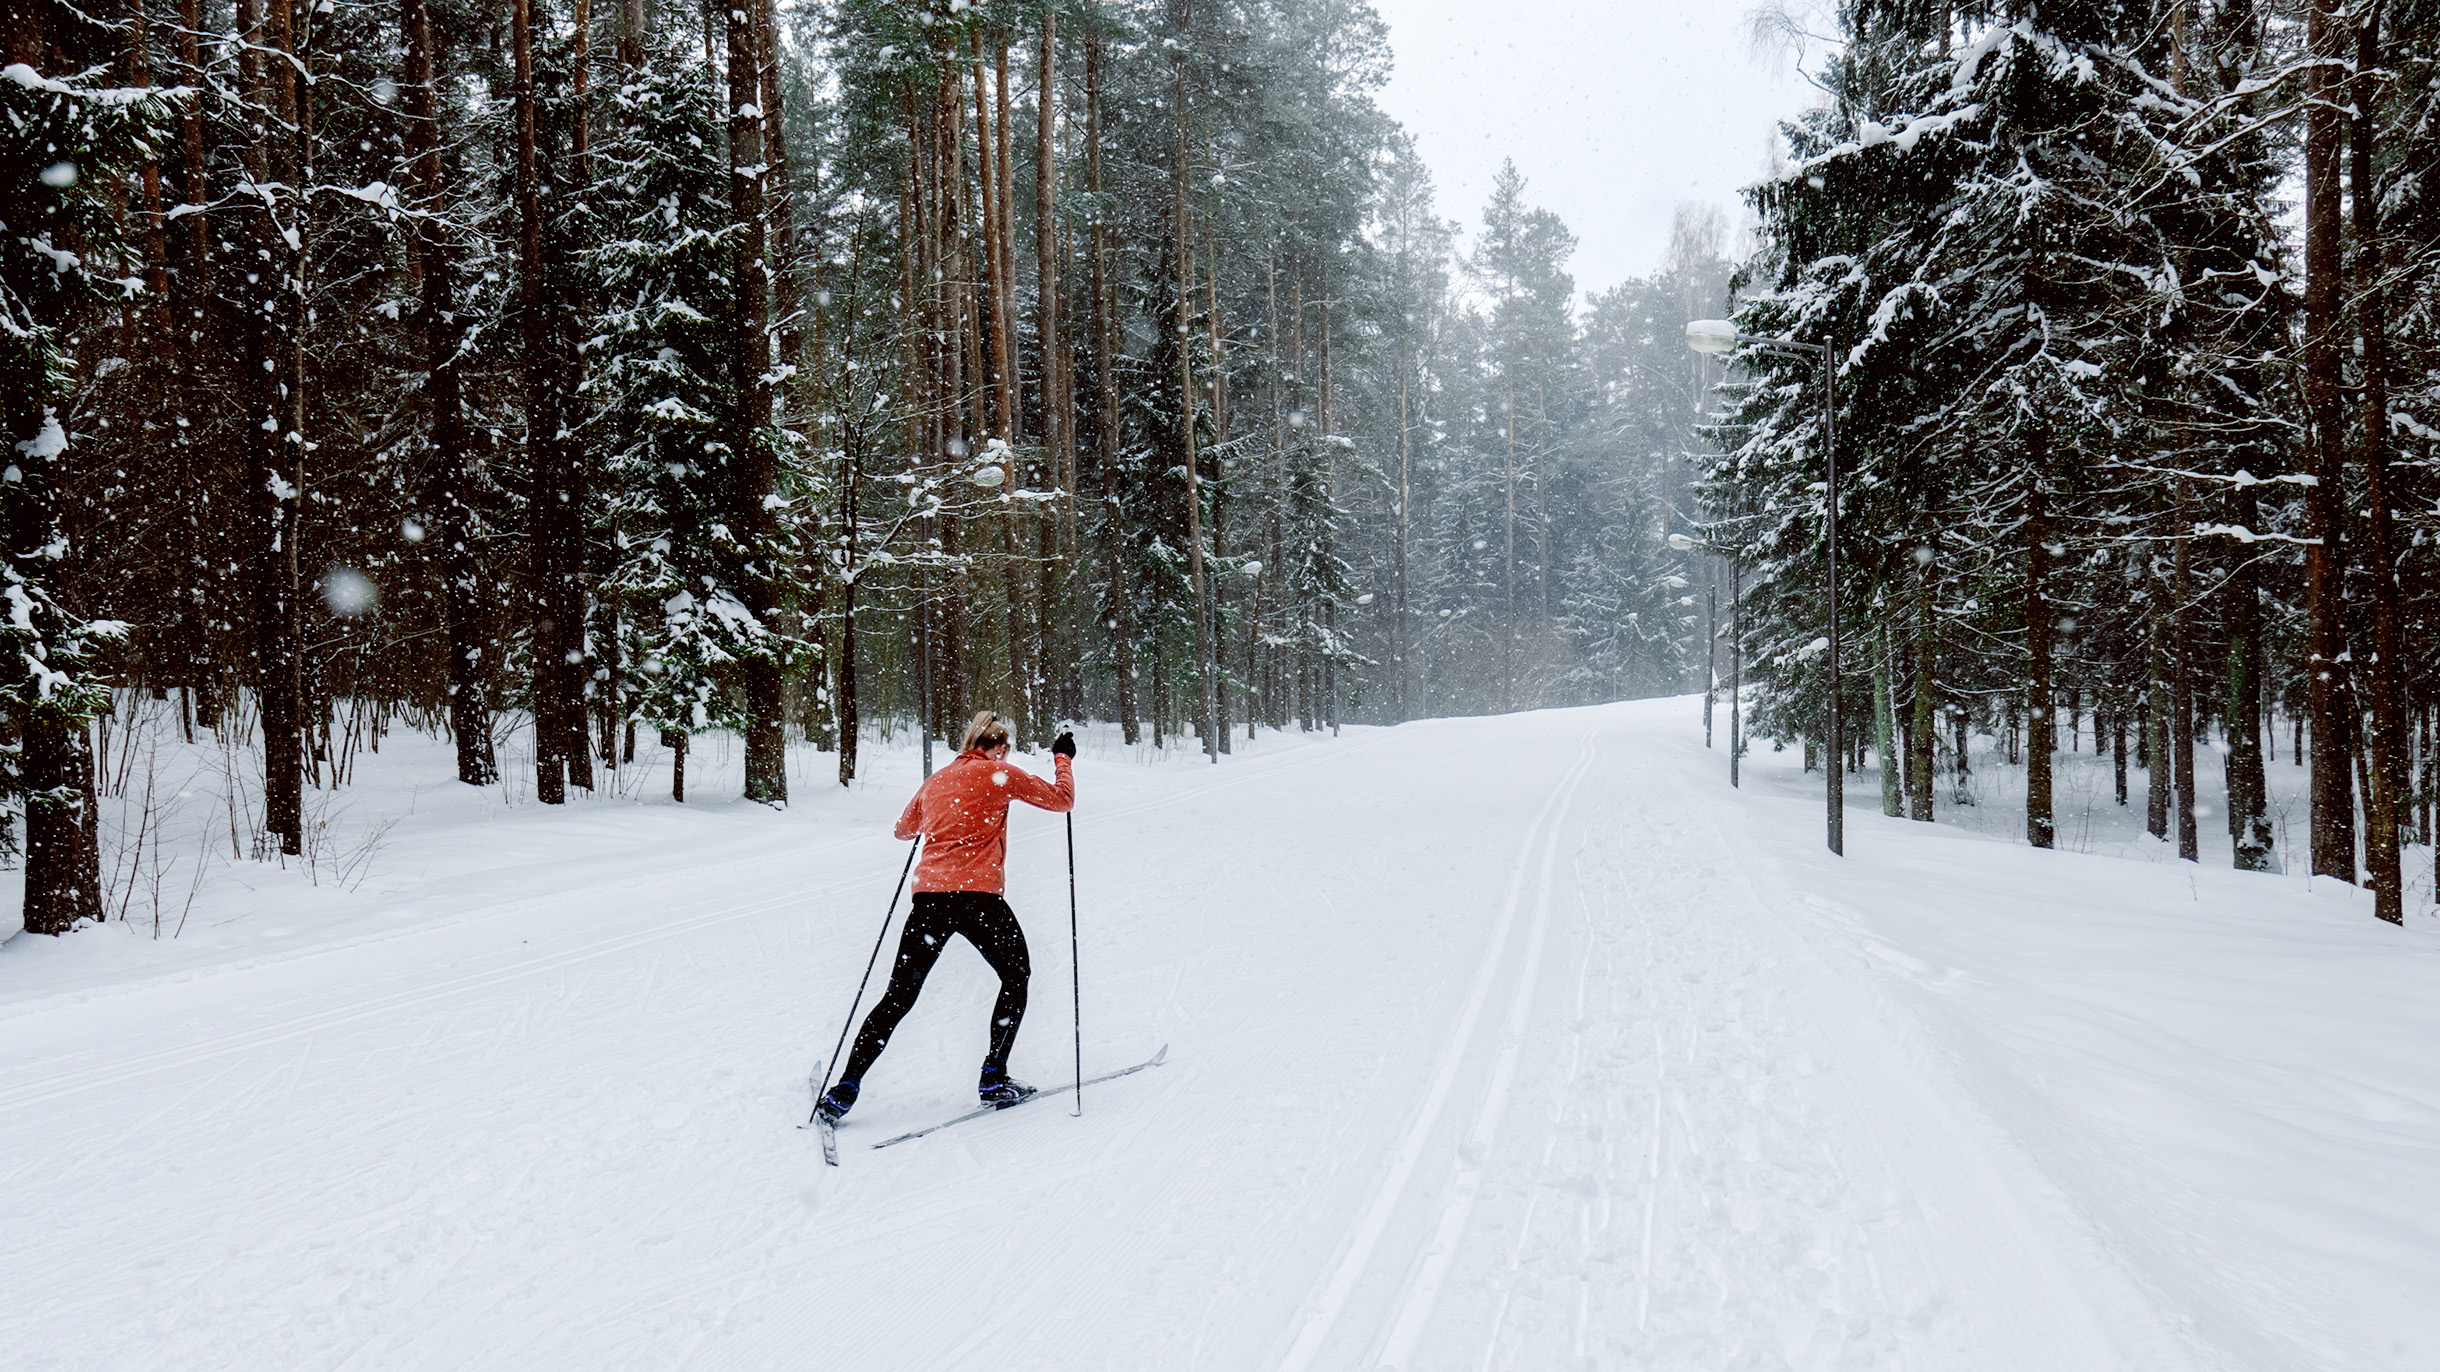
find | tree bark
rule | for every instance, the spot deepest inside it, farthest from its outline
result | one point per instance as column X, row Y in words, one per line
column 548, row 497
column 754, row 459
column 2118, row 746
column 1058, row 372
column 1884, row 715
column 1923, row 737
column 449, row 542
column 2248, row 786
column 274, row 472
column 2181, row 680
column 2384, row 804
column 2157, row 768
column 1217, row 385
column 1024, row 652
column 958, row 403
column 844, row 685
column 2041, row 710
column 1205, row 663
column 635, row 26
column 1121, row 614
column 793, row 401
column 1406, row 498
column 2333, row 806
column 1736, row 682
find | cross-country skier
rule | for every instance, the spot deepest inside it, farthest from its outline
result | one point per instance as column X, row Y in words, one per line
column 962, row 813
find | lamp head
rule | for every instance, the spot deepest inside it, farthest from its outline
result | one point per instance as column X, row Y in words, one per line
column 1711, row 335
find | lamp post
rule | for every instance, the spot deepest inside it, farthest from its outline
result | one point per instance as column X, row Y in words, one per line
column 1721, row 336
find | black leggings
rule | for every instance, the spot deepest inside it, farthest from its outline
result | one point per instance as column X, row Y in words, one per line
column 991, row 927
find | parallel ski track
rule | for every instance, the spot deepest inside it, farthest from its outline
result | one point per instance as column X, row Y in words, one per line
column 1414, row 1308
column 1331, row 1296
column 40, row 1088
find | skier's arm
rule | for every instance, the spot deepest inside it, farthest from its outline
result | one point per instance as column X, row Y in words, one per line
column 911, row 823
column 1055, row 797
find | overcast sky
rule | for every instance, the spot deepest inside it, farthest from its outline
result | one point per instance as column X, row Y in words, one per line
column 1615, row 111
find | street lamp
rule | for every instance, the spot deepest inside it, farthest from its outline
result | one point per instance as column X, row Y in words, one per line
column 1721, row 336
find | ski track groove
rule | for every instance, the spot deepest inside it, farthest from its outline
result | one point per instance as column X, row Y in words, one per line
column 1414, row 1307
column 1337, row 1288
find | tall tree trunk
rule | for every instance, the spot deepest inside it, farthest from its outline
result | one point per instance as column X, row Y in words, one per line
column 2041, row 711
column 793, row 399
column 2325, row 560
column 754, row 477
column 2248, row 787
column 997, row 383
column 786, row 274
column 1220, row 433
column 1736, row 681
column 62, row 859
column 148, row 180
column 1024, row 653
column 1884, row 713
column 548, row 497
column 1121, row 620
column 193, row 298
column 1330, row 523
column 844, row 684
column 1508, row 558
column 571, row 311
column 2181, row 680
column 443, row 337
column 959, row 404
column 2157, row 767
column 2118, row 745
column 634, row 28
column 54, row 763
column 1205, row 662
column 2384, row 804
column 1922, row 738
column 1406, row 497
column 1058, row 373
column 274, row 444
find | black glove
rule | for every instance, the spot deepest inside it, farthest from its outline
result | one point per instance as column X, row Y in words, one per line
column 1064, row 745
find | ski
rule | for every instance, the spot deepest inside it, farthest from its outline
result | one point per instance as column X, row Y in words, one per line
column 830, row 1135
column 1062, row 1089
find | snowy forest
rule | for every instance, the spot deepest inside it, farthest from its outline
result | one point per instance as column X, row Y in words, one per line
column 546, row 375
column 2135, row 310
column 558, row 372
column 931, row 685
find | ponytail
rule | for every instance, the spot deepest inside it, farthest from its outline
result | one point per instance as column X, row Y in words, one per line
column 987, row 731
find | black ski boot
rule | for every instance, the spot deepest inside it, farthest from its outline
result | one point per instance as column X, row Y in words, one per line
column 1000, row 1089
column 835, row 1103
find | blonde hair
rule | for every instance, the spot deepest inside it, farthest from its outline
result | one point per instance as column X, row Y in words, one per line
column 987, row 731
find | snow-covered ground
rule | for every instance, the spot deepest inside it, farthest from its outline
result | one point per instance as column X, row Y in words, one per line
column 1502, row 1043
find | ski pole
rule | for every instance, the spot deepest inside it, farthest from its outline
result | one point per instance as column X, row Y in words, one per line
column 869, row 964
column 1075, row 976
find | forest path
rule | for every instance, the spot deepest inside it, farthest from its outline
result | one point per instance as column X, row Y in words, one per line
column 1499, row 1043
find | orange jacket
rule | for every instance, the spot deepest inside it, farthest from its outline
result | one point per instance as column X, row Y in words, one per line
column 962, row 811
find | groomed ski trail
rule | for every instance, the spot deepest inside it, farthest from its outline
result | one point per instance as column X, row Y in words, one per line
column 1500, row 1044
column 1330, row 1300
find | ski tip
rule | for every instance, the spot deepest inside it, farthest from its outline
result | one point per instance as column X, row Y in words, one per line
column 1161, row 1056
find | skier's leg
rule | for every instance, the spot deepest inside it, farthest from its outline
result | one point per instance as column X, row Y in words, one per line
column 928, row 927
column 993, row 929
